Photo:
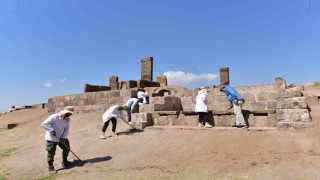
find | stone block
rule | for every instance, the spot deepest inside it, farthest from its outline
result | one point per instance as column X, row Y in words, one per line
column 281, row 83
column 220, row 106
column 310, row 86
column 293, row 115
column 113, row 82
column 269, row 88
column 292, row 92
column 95, row 88
column 131, row 84
column 294, row 126
column 258, row 105
column 123, row 85
column 187, row 120
column 4, row 126
column 142, row 120
column 147, row 68
column 268, row 96
column 116, row 100
column 145, row 83
column 259, row 120
column 224, row 76
column 162, row 80
column 292, row 103
column 249, row 97
column 186, row 93
column 272, row 104
column 312, row 100
column 224, row 120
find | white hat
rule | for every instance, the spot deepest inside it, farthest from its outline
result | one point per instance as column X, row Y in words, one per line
column 68, row 109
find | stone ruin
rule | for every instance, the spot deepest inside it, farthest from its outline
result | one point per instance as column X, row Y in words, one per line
column 268, row 105
column 145, row 81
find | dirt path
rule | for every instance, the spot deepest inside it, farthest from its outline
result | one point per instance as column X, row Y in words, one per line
column 159, row 154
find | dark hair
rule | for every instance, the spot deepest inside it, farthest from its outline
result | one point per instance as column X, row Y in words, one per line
column 141, row 89
column 140, row 99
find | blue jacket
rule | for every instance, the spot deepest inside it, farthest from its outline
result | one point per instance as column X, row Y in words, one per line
column 232, row 95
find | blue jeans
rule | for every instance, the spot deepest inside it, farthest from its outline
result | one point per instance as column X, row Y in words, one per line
column 129, row 114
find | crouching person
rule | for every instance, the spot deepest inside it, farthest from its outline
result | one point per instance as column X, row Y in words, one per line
column 144, row 95
column 236, row 101
column 57, row 126
column 111, row 115
column 202, row 108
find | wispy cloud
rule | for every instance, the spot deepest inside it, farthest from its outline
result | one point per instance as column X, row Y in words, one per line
column 48, row 85
column 181, row 78
column 63, row 80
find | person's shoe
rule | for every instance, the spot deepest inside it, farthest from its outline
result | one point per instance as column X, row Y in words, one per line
column 114, row 135
column 65, row 164
column 235, row 126
column 103, row 136
column 244, row 126
column 208, row 125
column 200, row 125
column 52, row 170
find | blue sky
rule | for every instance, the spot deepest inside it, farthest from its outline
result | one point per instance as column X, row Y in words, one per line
column 66, row 44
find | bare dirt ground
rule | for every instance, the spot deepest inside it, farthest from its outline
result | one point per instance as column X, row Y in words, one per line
column 158, row 154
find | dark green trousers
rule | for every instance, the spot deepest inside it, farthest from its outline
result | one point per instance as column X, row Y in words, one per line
column 51, row 148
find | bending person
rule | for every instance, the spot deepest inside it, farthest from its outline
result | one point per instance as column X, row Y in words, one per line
column 111, row 115
column 236, row 101
column 202, row 108
column 57, row 126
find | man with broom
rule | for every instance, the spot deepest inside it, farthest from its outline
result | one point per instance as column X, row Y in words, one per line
column 57, row 126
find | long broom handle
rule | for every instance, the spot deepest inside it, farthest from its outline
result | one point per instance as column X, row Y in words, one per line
column 69, row 150
column 126, row 122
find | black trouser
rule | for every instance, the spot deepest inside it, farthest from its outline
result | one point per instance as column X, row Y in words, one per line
column 114, row 125
column 51, row 148
column 203, row 117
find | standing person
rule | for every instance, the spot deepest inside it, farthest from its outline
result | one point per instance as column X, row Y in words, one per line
column 236, row 101
column 57, row 126
column 144, row 95
column 202, row 108
column 131, row 104
column 110, row 115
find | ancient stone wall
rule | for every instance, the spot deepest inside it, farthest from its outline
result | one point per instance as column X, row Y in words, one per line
column 90, row 101
column 265, row 106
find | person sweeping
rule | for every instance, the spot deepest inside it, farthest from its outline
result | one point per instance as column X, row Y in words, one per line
column 111, row 115
column 57, row 126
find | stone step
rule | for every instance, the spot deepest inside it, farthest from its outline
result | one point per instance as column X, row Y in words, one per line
column 141, row 120
column 4, row 126
column 295, row 126
column 211, row 129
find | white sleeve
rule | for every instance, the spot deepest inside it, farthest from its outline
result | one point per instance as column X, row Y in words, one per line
column 46, row 124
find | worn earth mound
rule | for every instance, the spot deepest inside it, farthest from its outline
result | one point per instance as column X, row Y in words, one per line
column 158, row 154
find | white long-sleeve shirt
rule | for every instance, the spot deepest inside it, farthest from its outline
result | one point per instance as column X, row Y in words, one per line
column 143, row 95
column 112, row 112
column 60, row 126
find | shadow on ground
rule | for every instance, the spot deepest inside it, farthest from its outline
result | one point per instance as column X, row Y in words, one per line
column 77, row 163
